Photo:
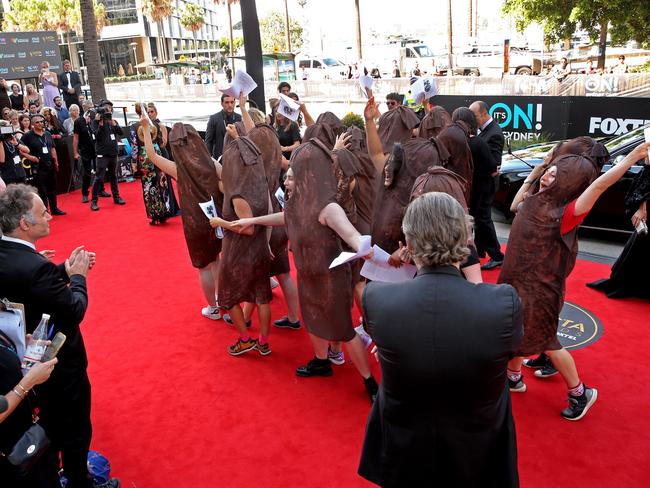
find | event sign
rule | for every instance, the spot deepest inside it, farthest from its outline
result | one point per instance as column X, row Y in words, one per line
column 21, row 53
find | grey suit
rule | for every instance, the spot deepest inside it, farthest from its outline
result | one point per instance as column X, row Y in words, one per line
column 443, row 415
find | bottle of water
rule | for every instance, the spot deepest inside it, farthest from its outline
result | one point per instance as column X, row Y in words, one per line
column 36, row 347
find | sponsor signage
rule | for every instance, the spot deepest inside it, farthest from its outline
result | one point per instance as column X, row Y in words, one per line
column 578, row 327
column 21, row 53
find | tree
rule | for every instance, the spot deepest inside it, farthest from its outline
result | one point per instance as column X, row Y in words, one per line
column 26, row 15
column 228, row 3
column 93, row 61
column 224, row 44
column 157, row 11
column 450, row 39
column 357, row 12
column 192, row 20
column 273, row 32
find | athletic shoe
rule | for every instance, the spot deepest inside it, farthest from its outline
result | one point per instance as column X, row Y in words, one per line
column 274, row 283
column 315, row 367
column 263, row 349
column 285, row 323
column 517, row 386
column 240, row 347
column 211, row 312
column 105, row 194
column 578, row 406
column 545, row 371
column 84, row 199
column 538, row 362
column 227, row 318
column 112, row 483
column 337, row 358
column 93, row 206
column 365, row 338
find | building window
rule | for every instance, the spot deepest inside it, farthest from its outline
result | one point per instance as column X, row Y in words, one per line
column 120, row 12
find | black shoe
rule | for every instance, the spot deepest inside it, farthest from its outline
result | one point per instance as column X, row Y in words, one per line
column 285, row 323
column 546, row 371
column 315, row 367
column 94, row 206
column 105, row 194
column 112, row 483
column 57, row 211
column 491, row 264
column 226, row 317
column 84, row 199
column 578, row 406
column 371, row 388
column 537, row 363
column 118, row 200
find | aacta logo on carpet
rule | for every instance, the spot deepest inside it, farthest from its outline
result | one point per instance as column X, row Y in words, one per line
column 578, row 327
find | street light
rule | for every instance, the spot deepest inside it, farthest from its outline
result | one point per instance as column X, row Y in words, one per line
column 81, row 56
column 134, row 45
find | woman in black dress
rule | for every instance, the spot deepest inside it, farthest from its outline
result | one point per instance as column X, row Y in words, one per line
column 52, row 124
column 16, row 98
column 288, row 134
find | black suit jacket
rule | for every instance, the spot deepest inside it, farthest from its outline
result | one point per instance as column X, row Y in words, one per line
column 493, row 135
column 27, row 277
column 75, row 81
column 443, row 414
column 216, row 131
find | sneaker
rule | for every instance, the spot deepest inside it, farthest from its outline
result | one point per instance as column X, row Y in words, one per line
column 335, row 357
column 545, row 371
column 105, row 194
column 240, row 347
column 227, row 318
column 274, row 283
column 211, row 312
column 93, row 206
column 365, row 338
column 538, row 362
column 517, row 386
column 578, row 406
column 285, row 323
column 118, row 200
column 84, row 199
column 112, row 483
column 263, row 349
column 315, row 367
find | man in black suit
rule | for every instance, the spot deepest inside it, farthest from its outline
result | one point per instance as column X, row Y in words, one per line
column 443, row 415
column 485, row 236
column 217, row 123
column 70, row 84
column 29, row 278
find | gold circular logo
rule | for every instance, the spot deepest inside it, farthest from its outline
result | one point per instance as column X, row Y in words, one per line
column 578, row 327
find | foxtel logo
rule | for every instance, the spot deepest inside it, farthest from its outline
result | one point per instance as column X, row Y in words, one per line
column 617, row 126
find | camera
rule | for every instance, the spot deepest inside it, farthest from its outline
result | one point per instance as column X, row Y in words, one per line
column 6, row 133
column 641, row 227
column 103, row 112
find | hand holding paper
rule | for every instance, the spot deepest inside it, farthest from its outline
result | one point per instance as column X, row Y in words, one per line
column 288, row 107
column 210, row 211
column 379, row 269
column 241, row 83
column 346, row 257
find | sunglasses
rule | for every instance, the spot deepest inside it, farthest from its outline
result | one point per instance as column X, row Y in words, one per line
column 38, row 121
column 390, row 103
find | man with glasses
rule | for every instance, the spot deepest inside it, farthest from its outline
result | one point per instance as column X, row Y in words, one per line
column 393, row 100
column 45, row 164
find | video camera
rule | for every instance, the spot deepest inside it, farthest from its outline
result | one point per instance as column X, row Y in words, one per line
column 103, row 112
column 6, row 133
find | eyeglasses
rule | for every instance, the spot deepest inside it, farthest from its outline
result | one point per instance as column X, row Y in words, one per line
column 390, row 103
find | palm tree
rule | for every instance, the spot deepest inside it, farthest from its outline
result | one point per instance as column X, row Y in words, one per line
column 89, row 26
column 192, row 20
column 470, row 29
column 228, row 3
column 286, row 25
column 157, row 11
column 450, row 38
column 358, row 16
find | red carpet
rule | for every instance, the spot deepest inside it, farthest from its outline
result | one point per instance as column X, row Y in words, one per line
column 172, row 408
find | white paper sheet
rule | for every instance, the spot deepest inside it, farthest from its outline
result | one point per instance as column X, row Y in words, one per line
column 12, row 323
column 279, row 195
column 241, row 83
column 346, row 257
column 646, row 132
column 423, row 89
column 365, row 82
column 210, row 211
column 378, row 269
column 288, row 107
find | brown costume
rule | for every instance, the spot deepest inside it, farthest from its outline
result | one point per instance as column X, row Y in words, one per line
column 244, row 270
column 455, row 137
column 265, row 138
column 396, row 126
column 331, row 120
column 325, row 294
column 406, row 162
column 197, row 182
column 322, row 132
column 441, row 180
column 539, row 258
column 434, row 122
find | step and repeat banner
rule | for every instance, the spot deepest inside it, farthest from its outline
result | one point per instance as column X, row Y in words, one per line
column 21, row 53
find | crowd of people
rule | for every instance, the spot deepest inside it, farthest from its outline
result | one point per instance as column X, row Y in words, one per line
column 420, row 188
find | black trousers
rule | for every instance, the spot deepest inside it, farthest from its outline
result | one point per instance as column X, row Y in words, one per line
column 106, row 165
column 485, row 236
column 87, row 167
column 70, row 99
column 45, row 183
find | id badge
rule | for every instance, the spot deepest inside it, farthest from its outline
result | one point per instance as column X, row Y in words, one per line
column 45, row 151
column 16, row 159
column 112, row 137
column 93, row 136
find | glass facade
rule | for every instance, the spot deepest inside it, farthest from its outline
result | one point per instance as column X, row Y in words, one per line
column 120, row 12
column 114, row 53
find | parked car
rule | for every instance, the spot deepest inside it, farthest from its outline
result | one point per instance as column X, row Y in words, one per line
column 608, row 212
column 316, row 68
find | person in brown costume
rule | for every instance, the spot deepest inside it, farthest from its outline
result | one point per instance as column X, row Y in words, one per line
column 245, row 262
column 436, row 119
column 455, row 138
column 395, row 126
column 542, row 251
column 195, row 175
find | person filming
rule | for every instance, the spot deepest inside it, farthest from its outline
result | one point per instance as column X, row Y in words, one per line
column 107, row 132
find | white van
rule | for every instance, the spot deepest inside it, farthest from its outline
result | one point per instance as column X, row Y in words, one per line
column 317, row 68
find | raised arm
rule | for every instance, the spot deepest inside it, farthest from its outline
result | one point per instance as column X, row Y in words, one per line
column 245, row 116
column 586, row 201
column 162, row 163
column 534, row 175
column 309, row 121
column 375, row 149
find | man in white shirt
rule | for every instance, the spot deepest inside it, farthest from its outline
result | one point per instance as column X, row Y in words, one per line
column 70, row 84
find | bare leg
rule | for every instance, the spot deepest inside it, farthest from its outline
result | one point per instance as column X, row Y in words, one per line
column 564, row 363
column 336, row 346
column 209, row 285
column 248, row 310
column 237, row 317
column 320, row 346
column 473, row 273
column 515, row 363
column 290, row 296
column 264, row 316
column 357, row 352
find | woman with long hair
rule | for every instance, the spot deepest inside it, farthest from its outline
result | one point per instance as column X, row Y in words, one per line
column 52, row 123
column 31, row 96
column 50, row 84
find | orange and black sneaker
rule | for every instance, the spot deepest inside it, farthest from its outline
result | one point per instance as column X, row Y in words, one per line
column 264, row 349
column 240, row 347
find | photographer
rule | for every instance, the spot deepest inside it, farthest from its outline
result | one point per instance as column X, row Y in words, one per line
column 11, row 169
column 106, row 131
column 83, row 147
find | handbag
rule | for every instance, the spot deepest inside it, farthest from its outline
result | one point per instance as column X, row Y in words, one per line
column 28, row 450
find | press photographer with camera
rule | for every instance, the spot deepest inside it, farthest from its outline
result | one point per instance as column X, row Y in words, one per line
column 11, row 153
column 107, row 132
